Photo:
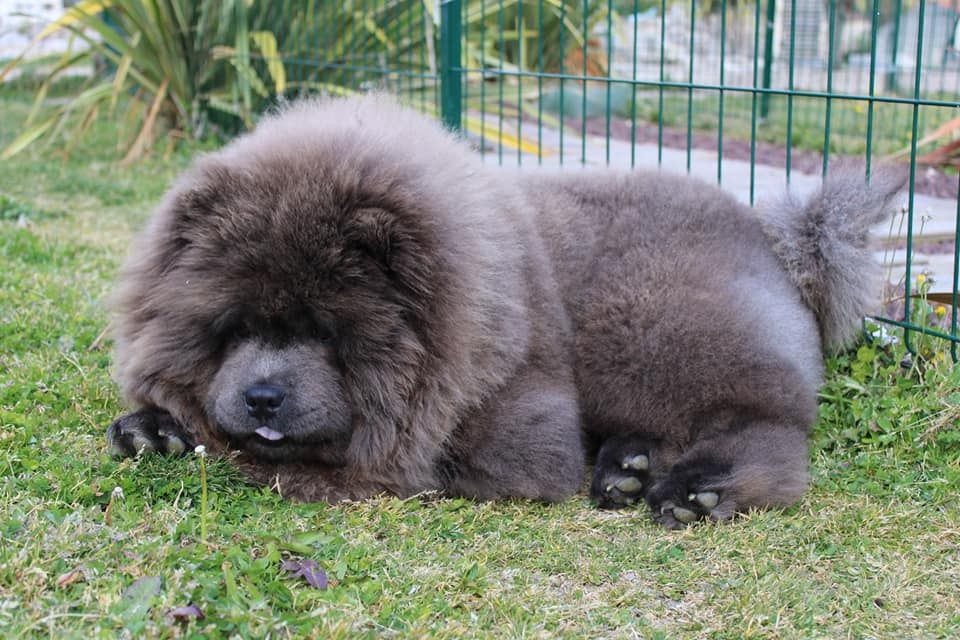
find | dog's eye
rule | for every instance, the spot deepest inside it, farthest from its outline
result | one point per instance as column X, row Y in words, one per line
column 228, row 327
column 324, row 332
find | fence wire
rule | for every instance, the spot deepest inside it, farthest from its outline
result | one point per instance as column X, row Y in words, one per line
column 757, row 96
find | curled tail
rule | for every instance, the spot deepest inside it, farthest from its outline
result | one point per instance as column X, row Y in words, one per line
column 823, row 244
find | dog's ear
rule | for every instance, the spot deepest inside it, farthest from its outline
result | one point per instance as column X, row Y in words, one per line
column 400, row 247
column 370, row 229
column 190, row 211
column 202, row 196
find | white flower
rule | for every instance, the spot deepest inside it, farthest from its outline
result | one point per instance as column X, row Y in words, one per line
column 885, row 337
column 117, row 493
column 200, row 450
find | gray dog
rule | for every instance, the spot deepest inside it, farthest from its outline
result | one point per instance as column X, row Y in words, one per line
column 350, row 303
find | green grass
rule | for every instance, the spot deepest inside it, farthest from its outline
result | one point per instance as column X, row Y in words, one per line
column 890, row 130
column 873, row 550
column 891, row 127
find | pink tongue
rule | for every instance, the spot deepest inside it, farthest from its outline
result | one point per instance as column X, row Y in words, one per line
column 269, row 434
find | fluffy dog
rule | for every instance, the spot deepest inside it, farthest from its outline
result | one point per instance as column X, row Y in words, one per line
column 350, row 303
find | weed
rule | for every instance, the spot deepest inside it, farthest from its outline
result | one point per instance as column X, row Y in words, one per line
column 202, row 461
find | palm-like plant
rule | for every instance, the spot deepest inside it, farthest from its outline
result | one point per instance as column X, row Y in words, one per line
column 181, row 62
column 181, row 65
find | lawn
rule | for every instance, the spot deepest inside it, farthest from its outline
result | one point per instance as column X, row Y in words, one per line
column 890, row 128
column 95, row 547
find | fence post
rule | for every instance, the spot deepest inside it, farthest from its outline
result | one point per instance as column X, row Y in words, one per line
column 891, row 80
column 451, row 31
column 768, row 57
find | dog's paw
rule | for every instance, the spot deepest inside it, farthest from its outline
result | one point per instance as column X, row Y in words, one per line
column 691, row 492
column 622, row 474
column 697, row 506
column 147, row 431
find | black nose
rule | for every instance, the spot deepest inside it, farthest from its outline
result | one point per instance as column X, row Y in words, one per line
column 263, row 400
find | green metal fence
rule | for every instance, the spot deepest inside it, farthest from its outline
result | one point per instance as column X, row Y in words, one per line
column 757, row 96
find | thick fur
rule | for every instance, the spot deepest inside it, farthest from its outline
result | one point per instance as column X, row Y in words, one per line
column 452, row 355
column 824, row 245
column 428, row 323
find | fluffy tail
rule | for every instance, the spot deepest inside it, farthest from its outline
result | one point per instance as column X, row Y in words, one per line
column 823, row 244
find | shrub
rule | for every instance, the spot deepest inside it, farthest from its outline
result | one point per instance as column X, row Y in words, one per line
column 186, row 67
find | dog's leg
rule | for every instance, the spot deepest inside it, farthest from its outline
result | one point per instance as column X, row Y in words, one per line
column 149, row 430
column 526, row 443
column 758, row 466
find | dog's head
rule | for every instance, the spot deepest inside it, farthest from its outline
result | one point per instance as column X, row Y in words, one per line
column 313, row 286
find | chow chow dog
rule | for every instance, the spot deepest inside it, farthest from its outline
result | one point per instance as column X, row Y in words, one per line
column 350, row 303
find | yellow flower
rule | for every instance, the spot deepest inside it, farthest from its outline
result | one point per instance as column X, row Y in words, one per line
column 921, row 278
column 940, row 310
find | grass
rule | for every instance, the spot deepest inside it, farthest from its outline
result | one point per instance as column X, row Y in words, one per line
column 891, row 127
column 872, row 551
column 890, row 130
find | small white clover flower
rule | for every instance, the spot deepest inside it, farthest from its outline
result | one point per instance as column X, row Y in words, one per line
column 117, row 493
column 200, row 450
column 884, row 336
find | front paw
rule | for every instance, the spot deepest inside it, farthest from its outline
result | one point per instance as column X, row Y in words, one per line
column 147, row 431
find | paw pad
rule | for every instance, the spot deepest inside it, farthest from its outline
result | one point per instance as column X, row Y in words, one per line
column 698, row 506
column 630, row 484
column 172, row 444
column 684, row 515
column 637, row 463
column 706, row 499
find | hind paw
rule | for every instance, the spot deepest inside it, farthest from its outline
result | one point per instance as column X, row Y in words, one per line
column 697, row 506
column 622, row 474
column 619, row 492
column 147, row 431
column 691, row 492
